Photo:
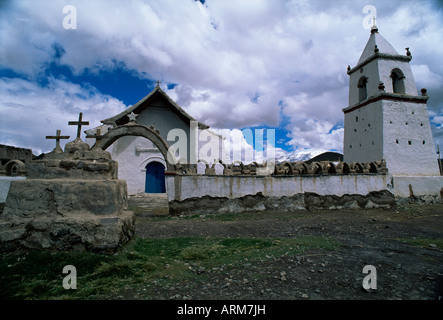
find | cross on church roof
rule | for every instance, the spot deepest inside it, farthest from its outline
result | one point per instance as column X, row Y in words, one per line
column 158, row 83
column 374, row 28
column 79, row 124
column 57, row 138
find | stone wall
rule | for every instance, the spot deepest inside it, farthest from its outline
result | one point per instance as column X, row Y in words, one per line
column 286, row 186
column 8, row 153
column 418, row 189
column 13, row 162
column 285, row 168
column 299, row 201
column 71, row 200
column 295, row 186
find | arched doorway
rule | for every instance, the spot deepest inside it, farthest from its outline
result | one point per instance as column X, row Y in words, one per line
column 155, row 178
column 138, row 130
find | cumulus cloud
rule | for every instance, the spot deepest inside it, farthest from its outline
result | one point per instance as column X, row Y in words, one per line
column 234, row 64
column 29, row 112
column 425, row 78
column 317, row 135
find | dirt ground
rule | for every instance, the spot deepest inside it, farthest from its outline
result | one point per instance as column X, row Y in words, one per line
column 369, row 237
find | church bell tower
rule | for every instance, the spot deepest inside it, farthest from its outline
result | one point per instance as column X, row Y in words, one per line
column 387, row 118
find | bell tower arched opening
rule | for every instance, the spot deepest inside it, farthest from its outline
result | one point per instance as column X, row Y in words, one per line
column 398, row 84
column 362, row 89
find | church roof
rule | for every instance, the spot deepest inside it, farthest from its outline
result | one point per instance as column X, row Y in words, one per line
column 137, row 108
column 383, row 46
column 378, row 47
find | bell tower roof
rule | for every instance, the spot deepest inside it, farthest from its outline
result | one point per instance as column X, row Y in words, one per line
column 376, row 44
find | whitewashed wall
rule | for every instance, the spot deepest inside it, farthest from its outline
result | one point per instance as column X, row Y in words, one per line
column 182, row 187
column 363, row 138
column 408, row 145
column 419, row 185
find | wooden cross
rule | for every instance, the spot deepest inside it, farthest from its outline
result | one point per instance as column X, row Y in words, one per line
column 79, row 124
column 57, row 138
column 158, row 83
column 97, row 136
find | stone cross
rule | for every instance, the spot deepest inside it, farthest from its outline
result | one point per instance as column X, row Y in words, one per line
column 79, row 124
column 57, row 138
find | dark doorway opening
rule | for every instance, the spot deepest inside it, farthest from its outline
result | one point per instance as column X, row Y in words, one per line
column 155, row 178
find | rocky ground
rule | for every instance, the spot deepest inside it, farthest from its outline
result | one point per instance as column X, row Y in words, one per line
column 368, row 237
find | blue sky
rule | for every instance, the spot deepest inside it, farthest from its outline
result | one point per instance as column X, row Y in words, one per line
column 270, row 64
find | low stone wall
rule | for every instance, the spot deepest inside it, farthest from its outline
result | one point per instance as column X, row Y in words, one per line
column 417, row 189
column 294, row 185
column 35, row 198
column 190, row 194
column 300, row 201
column 182, row 187
column 70, row 200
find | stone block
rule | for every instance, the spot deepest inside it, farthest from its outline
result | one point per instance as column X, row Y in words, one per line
column 80, row 231
column 53, row 197
column 70, row 200
column 72, row 169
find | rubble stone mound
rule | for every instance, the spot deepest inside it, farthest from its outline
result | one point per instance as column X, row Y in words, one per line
column 71, row 200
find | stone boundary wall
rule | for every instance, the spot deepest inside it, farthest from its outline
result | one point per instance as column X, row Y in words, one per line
column 417, row 189
column 285, row 168
column 194, row 194
column 13, row 160
column 295, row 186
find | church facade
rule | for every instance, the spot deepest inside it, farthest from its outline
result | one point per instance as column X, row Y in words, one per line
column 140, row 162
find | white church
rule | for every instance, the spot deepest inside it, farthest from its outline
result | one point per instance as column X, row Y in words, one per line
column 387, row 118
column 140, row 162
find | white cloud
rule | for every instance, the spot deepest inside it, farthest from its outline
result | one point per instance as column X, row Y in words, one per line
column 437, row 120
column 29, row 112
column 313, row 134
column 233, row 61
column 425, row 78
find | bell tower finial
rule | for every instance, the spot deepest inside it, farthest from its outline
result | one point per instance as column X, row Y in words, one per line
column 374, row 26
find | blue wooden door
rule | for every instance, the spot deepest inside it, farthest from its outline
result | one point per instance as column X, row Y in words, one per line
column 155, row 178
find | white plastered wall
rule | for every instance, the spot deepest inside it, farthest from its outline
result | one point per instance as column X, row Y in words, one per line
column 133, row 154
column 363, row 138
column 408, row 143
